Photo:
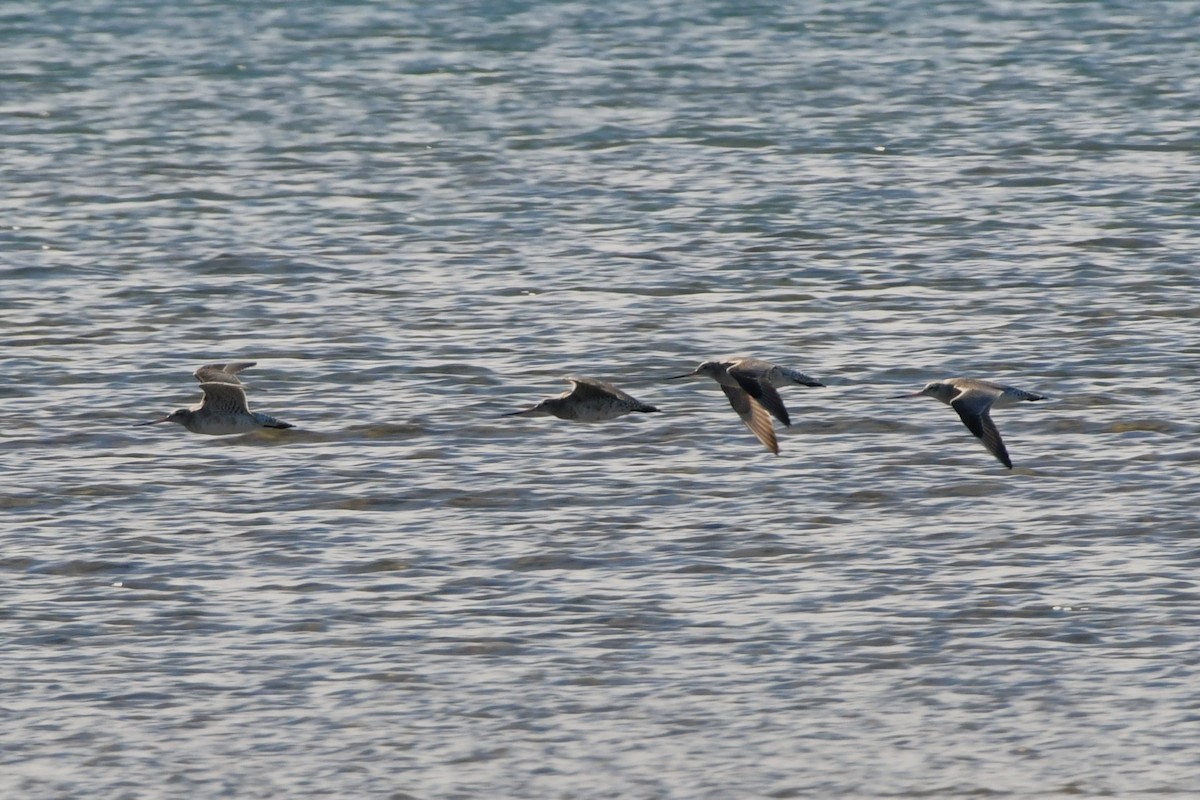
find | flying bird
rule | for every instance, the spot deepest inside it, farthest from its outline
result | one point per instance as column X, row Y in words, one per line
column 974, row 400
column 223, row 409
column 588, row 400
column 750, row 384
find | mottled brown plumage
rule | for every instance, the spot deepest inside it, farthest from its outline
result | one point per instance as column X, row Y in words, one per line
column 588, row 400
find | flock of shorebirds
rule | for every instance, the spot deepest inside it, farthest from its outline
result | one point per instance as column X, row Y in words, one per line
column 750, row 384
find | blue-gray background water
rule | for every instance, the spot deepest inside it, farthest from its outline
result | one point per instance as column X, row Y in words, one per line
column 418, row 217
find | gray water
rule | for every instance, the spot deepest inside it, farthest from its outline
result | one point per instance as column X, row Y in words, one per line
column 417, row 219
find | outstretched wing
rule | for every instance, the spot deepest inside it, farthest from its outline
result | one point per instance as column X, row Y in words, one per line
column 754, row 415
column 222, row 373
column 591, row 389
column 224, row 397
column 758, row 387
column 973, row 410
column 591, row 400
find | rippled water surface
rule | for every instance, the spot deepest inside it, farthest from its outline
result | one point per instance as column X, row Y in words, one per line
column 417, row 219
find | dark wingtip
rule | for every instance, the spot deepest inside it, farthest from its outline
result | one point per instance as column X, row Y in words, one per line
column 815, row 383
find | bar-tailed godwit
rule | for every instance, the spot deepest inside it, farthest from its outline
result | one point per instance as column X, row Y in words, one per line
column 750, row 384
column 974, row 399
column 588, row 400
column 223, row 410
